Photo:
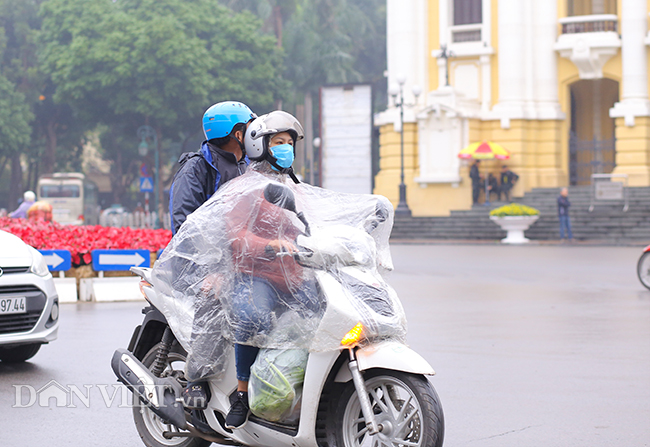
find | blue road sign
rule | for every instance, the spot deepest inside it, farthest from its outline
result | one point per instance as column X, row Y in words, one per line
column 146, row 184
column 57, row 259
column 110, row 260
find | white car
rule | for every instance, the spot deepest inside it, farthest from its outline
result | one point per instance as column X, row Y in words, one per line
column 29, row 304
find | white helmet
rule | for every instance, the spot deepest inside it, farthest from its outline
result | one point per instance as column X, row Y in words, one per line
column 278, row 121
column 29, row 196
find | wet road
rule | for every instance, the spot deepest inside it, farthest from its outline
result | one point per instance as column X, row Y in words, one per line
column 534, row 346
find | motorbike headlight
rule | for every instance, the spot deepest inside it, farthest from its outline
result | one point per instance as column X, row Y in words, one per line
column 39, row 266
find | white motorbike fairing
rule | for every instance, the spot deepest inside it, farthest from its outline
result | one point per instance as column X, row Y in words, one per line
column 295, row 271
column 387, row 355
column 220, row 282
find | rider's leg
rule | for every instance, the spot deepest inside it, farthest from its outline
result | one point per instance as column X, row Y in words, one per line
column 255, row 300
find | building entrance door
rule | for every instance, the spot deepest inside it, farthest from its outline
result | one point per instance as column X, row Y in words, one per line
column 592, row 144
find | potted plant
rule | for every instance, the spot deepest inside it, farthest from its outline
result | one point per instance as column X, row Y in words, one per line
column 514, row 219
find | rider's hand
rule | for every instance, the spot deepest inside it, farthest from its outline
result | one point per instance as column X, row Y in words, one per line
column 212, row 283
column 279, row 245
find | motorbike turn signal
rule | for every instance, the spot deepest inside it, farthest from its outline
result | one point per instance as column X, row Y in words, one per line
column 142, row 285
column 353, row 336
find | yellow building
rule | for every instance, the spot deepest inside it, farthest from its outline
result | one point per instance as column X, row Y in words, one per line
column 562, row 84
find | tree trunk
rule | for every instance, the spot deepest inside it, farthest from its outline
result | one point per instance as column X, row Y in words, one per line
column 117, row 173
column 277, row 24
column 49, row 157
column 2, row 165
column 16, row 186
column 161, row 208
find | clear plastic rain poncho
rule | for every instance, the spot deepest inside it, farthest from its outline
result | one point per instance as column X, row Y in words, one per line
column 219, row 282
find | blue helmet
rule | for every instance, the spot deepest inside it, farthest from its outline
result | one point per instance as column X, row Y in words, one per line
column 219, row 119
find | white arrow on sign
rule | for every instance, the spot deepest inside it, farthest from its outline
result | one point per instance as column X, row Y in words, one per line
column 134, row 260
column 53, row 260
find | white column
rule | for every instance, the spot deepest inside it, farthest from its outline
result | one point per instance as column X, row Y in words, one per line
column 511, row 55
column 421, row 74
column 529, row 58
column 486, row 83
column 545, row 62
column 634, row 99
column 407, row 44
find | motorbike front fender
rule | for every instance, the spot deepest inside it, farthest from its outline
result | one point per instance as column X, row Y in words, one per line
column 387, row 355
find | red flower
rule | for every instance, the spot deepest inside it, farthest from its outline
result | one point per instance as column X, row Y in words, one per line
column 80, row 241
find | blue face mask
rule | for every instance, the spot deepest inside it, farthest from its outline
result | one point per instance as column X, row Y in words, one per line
column 284, row 154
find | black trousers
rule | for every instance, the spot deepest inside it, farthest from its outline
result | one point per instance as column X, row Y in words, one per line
column 476, row 190
column 505, row 190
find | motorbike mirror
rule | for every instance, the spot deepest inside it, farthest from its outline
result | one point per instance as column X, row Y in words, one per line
column 281, row 196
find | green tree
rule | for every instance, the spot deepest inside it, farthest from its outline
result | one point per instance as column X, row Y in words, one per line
column 156, row 62
column 326, row 41
column 56, row 136
column 15, row 133
column 336, row 41
column 275, row 13
column 16, row 71
column 15, row 119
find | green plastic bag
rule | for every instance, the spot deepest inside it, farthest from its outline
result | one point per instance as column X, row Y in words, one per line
column 275, row 384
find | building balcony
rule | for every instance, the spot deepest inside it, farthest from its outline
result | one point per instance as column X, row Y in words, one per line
column 589, row 24
column 466, row 33
column 589, row 42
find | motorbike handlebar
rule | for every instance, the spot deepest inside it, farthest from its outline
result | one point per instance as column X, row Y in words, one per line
column 271, row 254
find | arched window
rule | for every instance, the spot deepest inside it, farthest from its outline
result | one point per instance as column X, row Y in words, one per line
column 590, row 7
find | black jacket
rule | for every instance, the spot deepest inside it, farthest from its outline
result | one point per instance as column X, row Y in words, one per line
column 508, row 179
column 475, row 175
column 200, row 175
column 563, row 205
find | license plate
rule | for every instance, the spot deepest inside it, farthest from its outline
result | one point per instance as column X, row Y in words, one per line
column 12, row 305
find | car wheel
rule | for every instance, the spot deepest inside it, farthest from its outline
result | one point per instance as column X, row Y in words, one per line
column 20, row 353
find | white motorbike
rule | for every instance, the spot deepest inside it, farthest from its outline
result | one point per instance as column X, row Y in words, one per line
column 372, row 391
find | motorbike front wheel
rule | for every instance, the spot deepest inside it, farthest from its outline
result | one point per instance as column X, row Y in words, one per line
column 150, row 426
column 643, row 269
column 406, row 406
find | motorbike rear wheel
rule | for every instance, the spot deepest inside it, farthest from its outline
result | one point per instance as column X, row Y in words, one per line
column 151, row 427
column 643, row 269
column 406, row 405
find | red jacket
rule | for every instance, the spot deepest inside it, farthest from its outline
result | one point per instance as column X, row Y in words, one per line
column 252, row 224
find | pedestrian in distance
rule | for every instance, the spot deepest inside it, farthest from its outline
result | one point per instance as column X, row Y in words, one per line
column 493, row 186
column 563, row 205
column 475, row 175
column 28, row 200
column 508, row 180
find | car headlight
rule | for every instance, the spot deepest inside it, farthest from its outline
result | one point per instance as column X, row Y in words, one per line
column 39, row 266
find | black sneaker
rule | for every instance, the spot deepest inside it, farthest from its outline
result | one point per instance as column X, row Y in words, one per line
column 239, row 411
column 195, row 397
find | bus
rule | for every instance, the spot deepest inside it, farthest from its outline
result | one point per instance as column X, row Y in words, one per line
column 72, row 196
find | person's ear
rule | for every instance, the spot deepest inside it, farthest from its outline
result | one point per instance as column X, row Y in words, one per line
column 239, row 135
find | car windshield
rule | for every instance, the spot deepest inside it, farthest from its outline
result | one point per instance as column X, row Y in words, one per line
column 55, row 191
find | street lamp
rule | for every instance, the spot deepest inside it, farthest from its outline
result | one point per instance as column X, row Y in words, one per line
column 395, row 90
column 147, row 132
